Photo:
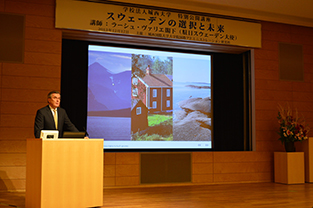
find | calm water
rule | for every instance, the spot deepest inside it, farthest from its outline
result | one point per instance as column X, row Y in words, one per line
column 181, row 92
column 109, row 128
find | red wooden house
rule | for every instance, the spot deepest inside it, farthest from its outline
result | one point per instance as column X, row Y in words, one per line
column 139, row 116
column 154, row 90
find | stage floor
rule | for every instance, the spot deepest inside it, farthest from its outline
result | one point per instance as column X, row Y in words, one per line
column 204, row 196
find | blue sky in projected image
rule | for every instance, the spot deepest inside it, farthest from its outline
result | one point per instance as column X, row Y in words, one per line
column 192, row 70
column 115, row 62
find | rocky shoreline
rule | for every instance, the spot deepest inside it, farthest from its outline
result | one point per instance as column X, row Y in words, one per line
column 193, row 123
column 198, row 87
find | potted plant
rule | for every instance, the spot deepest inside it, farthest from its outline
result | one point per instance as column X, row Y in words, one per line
column 292, row 127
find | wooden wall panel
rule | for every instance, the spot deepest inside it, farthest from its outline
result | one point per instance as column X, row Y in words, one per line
column 273, row 95
column 28, row 83
column 243, row 167
column 21, row 108
column 229, row 157
column 14, row 120
column 127, row 181
column 302, row 86
column 202, row 168
column 273, row 85
column 203, row 179
column 12, row 146
column 12, row 159
column 23, row 95
column 1, row 69
column 267, row 75
column 109, row 171
column 12, row 172
column 1, row 5
column 202, row 157
column 269, row 45
column 12, row 185
column 291, row 62
column 265, row 135
column 42, row 46
column 109, row 182
column 127, row 158
column 269, row 146
column 42, row 58
column 127, row 170
column 271, row 65
column 39, row 22
column 12, row 28
column 16, row 133
column 308, row 49
column 307, row 58
column 276, row 35
column 31, row 70
column 43, row 34
column 109, row 158
column 266, row 54
column 28, row 7
column 243, row 177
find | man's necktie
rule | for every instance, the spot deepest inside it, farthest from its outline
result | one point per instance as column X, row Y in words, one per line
column 55, row 118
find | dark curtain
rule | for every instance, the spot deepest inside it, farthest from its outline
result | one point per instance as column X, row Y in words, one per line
column 74, row 81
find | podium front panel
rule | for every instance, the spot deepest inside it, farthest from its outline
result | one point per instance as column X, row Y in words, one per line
column 71, row 173
column 289, row 167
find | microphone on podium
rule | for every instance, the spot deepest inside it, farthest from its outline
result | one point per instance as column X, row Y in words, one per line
column 87, row 135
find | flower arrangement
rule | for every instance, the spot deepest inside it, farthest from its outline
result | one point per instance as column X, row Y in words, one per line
column 292, row 127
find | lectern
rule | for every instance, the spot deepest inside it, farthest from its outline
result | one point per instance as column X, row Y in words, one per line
column 64, row 173
column 289, row 167
column 307, row 147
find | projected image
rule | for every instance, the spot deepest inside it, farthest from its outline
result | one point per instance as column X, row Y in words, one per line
column 147, row 99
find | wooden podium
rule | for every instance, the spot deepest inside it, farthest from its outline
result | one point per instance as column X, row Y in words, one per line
column 306, row 146
column 64, row 173
column 289, row 167
column 308, row 153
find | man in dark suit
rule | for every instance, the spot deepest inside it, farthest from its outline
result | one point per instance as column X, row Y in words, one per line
column 52, row 117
